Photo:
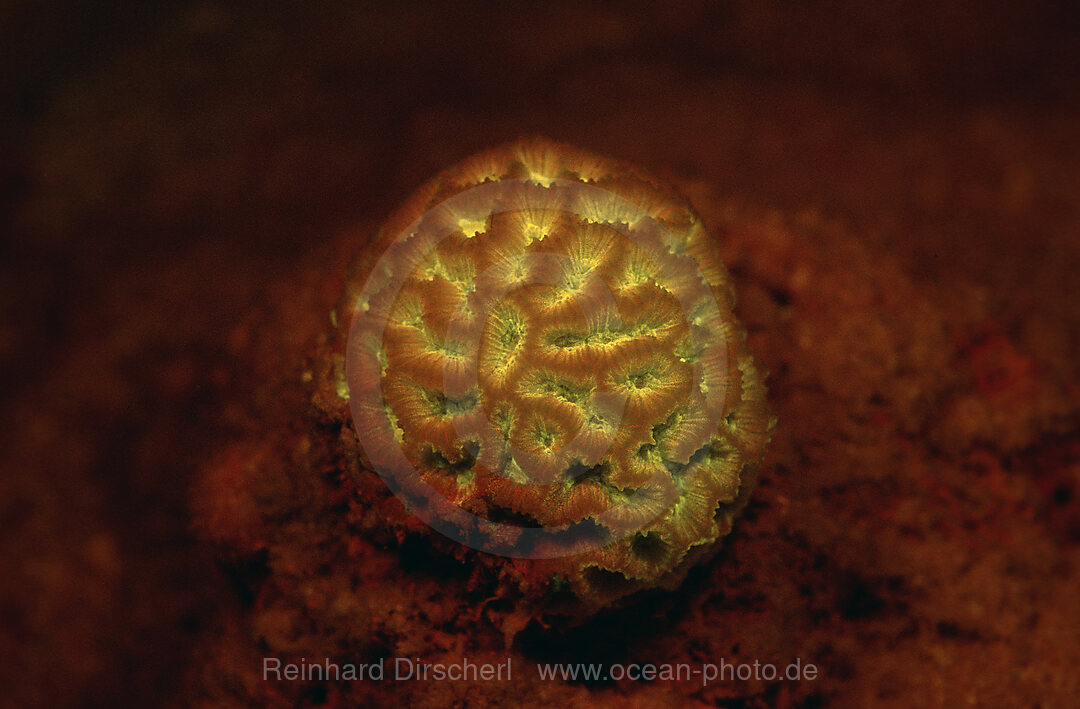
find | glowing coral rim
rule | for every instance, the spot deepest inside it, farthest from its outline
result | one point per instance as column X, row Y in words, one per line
column 389, row 275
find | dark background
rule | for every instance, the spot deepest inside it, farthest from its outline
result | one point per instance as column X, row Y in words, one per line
column 163, row 164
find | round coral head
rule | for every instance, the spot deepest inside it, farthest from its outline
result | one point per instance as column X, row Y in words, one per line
column 543, row 363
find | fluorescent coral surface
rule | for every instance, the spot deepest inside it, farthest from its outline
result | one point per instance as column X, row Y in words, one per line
column 541, row 358
column 892, row 188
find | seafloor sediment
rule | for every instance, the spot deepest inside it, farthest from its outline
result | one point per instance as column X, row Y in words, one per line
column 899, row 217
column 908, row 420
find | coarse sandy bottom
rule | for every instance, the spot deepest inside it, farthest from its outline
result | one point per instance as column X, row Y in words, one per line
column 902, row 226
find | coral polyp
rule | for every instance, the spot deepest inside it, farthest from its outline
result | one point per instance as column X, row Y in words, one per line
column 539, row 355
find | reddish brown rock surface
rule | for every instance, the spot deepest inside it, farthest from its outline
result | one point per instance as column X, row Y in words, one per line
column 893, row 192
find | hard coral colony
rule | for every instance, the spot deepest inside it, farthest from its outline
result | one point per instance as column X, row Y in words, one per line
column 540, row 358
